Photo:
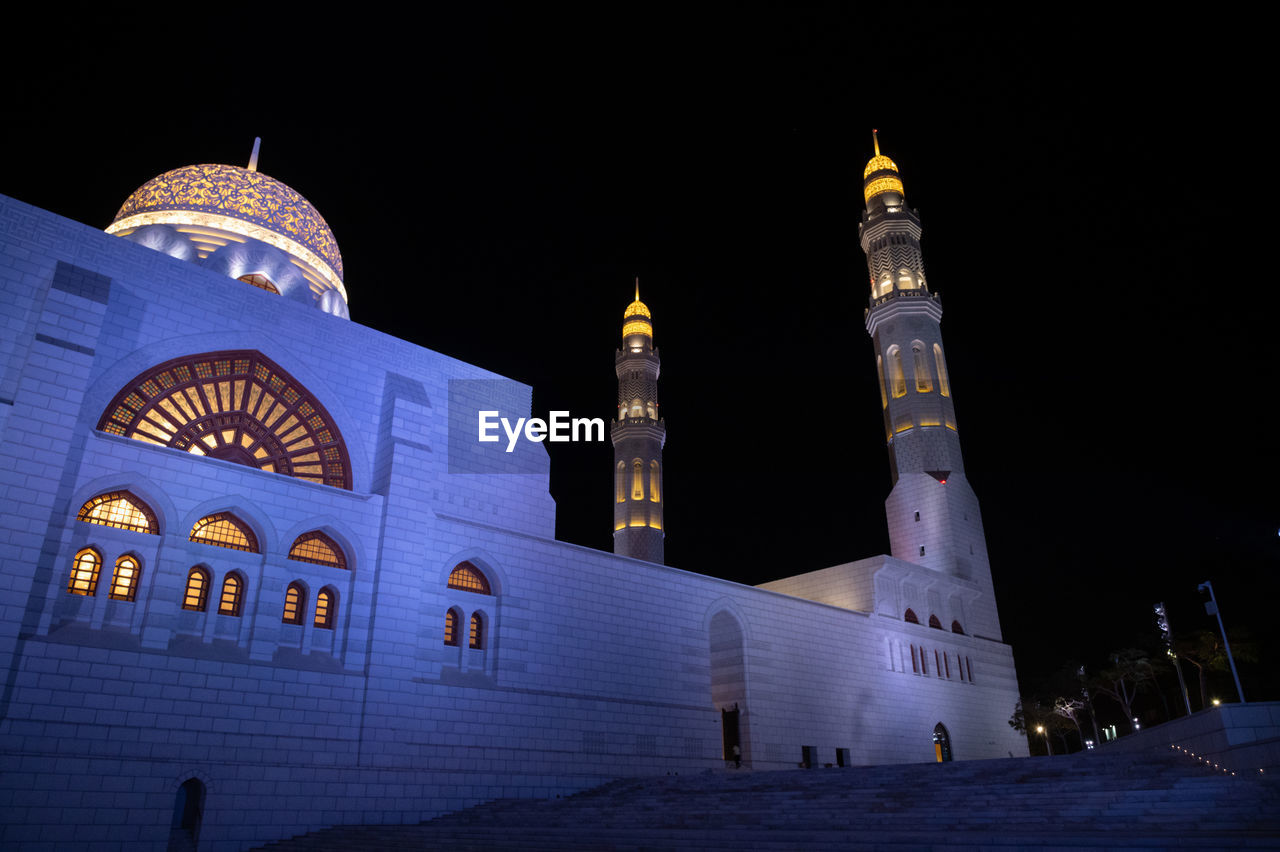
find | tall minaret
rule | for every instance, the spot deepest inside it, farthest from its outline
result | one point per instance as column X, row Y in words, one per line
column 933, row 514
column 638, row 436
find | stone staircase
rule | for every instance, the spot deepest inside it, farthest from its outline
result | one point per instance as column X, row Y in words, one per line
column 1094, row 800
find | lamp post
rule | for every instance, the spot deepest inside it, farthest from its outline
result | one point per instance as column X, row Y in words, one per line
column 1162, row 621
column 1211, row 607
column 1048, row 745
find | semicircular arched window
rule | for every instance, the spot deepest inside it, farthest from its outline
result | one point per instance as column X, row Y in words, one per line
column 468, row 578
column 122, row 510
column 224, row 529
column 235, row 406
column 319, row 549
column 260, row 281
column 910, row 616
column 934, row 622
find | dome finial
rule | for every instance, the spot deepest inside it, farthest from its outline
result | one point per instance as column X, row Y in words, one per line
column 875, row 138
column 253, row 158
column 637, row 288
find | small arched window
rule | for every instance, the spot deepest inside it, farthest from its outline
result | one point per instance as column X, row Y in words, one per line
column 196, row 597
column 944, row 386
column 232, row 595
column 477, row 631
column 295, row 602
column 897, row 379
column 934, row 622
column 653, row 481
column 637, row 480
column 468, row 578
column 122, row 510
column 884, row 398
column 910, row 617
column 621, row 485
column 317, row 548
column 956, row 628
column 326, row 608
column 124, row 580
column 84, row 573
column 924, row 383
column 260, row 281
column 225, row 530
column 451, row 624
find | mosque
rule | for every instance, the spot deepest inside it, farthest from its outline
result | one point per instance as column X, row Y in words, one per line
column 261, row 576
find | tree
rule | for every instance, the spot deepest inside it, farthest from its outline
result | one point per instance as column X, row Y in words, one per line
column 1130, row 672
column 1204, row 650
column 1032, row 716
column 1069, row 708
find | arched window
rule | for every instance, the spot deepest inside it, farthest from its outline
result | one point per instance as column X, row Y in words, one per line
column 235, row 406
column 326, row 608
column 944, row 386
column 225, row 530
column 637, row 408
column 884, row 398
column 653, row 481
column 260, row 281
column 124, row 580
column 295, row 602
column 910, row 616
column 318, row 548
column 956, row 628
column 637, row 480
column 477, row 631
column 468, row 578
column 197, row 594
column 924, row 383
column 188, row 810
column 897, row 380
column 122, row 510
column 651, row 411
column 232, row 595
column 934, row 622
column 915, row 667
column 451, row 624
column 621, row 485
column 84, row 573
column 941, row 744
column 905, row 280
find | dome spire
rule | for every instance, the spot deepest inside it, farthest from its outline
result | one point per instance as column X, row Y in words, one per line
column 257, row 143
column 875, row 138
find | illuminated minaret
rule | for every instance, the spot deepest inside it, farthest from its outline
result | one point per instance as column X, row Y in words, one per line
column 638, row 436
column 933, row 514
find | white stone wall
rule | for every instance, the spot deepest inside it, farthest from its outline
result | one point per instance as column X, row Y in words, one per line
column 592, row 665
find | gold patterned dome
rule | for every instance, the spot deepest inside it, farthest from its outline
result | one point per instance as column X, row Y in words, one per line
column 227, row 201
column 636, row 318
column 886, row 181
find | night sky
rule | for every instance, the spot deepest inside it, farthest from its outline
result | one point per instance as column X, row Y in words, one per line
column 1092, row 200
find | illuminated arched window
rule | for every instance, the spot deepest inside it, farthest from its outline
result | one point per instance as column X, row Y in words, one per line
column 197, row 595
column 84, row 573
column 326, row 608
column 451, row 625
column 905, row 280
column 295, row 602
column 910, row 616
column 897, row 380
column 476, row 640
column 225, row 530
column 260, row 281
column 956, row 628
column 124, row 580
column 637, row 408
column 232, row 595
column 923, row 383
column 637, row 480
column 318, row 548
column 122, row 510
column 469, row 578
column 884, row 397
column 943, row 384
column 621, row 485
column 934, row 622
column 235, row 406
column 653, row 481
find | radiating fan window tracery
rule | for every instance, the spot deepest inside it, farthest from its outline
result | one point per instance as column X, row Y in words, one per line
column 122, row 510
column 225, row 530
column 468, row 578
column 234, row 406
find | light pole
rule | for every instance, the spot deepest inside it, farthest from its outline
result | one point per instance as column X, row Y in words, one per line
column 1211, row 607
column 1162, row 621
column 1048, row 745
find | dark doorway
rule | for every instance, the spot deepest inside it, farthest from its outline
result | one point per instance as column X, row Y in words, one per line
column 188, row 809
column 941, row 744
column 729, row 731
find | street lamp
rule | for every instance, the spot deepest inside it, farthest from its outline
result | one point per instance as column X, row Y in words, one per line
column 1048, row 745
column 1166, row 632
column 1211, row 607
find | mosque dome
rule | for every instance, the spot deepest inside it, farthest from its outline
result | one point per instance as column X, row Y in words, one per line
column 239, row 218
column 881, row 175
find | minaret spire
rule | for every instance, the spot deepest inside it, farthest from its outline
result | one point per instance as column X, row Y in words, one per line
column 875, row 138
column 638, row 437
column 253, row 157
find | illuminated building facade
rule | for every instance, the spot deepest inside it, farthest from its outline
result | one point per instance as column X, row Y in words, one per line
column 255, row 584
column 638, row 436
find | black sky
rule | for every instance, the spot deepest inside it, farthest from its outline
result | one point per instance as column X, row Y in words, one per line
column 1093, row 196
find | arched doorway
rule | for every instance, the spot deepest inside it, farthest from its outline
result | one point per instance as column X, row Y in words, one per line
column 941, row 744
column 188, row 810
column 729, row 686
